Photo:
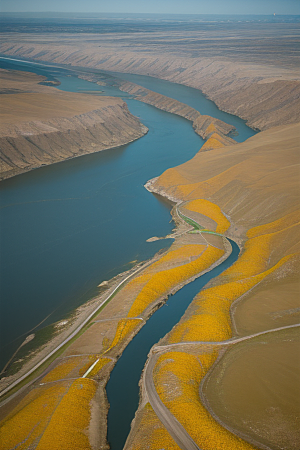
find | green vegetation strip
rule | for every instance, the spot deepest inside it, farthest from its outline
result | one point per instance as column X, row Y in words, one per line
column 191, row 222
column 197, row 227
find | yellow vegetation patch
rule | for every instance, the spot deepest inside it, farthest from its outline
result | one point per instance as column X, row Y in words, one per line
column 24, row 426
column 211, row 321
column 100, row 364
column 66, row 429
column 162, row 282
column 203, row 327
column 124, row 328
column 208, row 187
column 210, row 129
column 151, row 434
column 278, row 225
column 183, row 254
column 212, row 143
column 92, row 359
column 253, row 260
column 210, row 210
column 171, row 177
column 186, row 405
column 255, row 257
column 62, row 370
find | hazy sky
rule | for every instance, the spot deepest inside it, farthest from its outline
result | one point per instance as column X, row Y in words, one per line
column 156, row 6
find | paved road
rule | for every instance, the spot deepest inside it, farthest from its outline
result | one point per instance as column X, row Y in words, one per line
column 73, row 334
column 169, row 347
column 176, row 430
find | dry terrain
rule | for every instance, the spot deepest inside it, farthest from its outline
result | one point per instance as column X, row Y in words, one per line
column 247, row 191
column 251, row 70
column 41, row 125
column 256, row 186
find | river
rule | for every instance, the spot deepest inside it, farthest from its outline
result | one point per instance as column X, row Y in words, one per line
column 67, row 227
column 123, row 385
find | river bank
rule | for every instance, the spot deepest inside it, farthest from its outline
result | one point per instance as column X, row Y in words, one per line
column 242, row 76
column 268, row 262
column 172, row 185
column 41, row 125
column 90, row 341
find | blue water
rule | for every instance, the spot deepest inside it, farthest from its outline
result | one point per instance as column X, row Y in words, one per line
column 122, row 387
column 195, row 99
column 67, row 227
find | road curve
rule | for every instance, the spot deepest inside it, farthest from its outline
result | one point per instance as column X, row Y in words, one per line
column 163, row 348
column 175, row 429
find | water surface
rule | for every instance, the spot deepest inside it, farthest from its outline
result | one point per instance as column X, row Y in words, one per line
column 67, row 227
column 123, row 385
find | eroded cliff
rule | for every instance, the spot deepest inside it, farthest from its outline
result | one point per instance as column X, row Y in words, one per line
column 41, row 125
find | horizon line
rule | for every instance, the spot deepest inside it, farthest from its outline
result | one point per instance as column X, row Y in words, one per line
column 146, row 13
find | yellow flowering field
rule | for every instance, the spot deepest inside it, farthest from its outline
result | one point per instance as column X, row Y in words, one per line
column 100, row 364
column 66, row 429
column 171, row 177
column 211, row 320
column 185, row 404
column 210, row 210
column 63, row 369
column 278, row 225
column 178, row 375
column 162, row 282
column 24, row 426
column 151, row 434
column 253, row 260
column 124, row 328
column 212, row 142
column 255, row 257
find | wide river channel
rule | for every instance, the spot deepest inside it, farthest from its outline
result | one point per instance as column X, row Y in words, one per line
column 67, row 227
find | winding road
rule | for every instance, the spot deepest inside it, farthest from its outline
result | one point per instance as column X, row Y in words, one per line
column 175, row 429
column 172, row 425
column 82, row 325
